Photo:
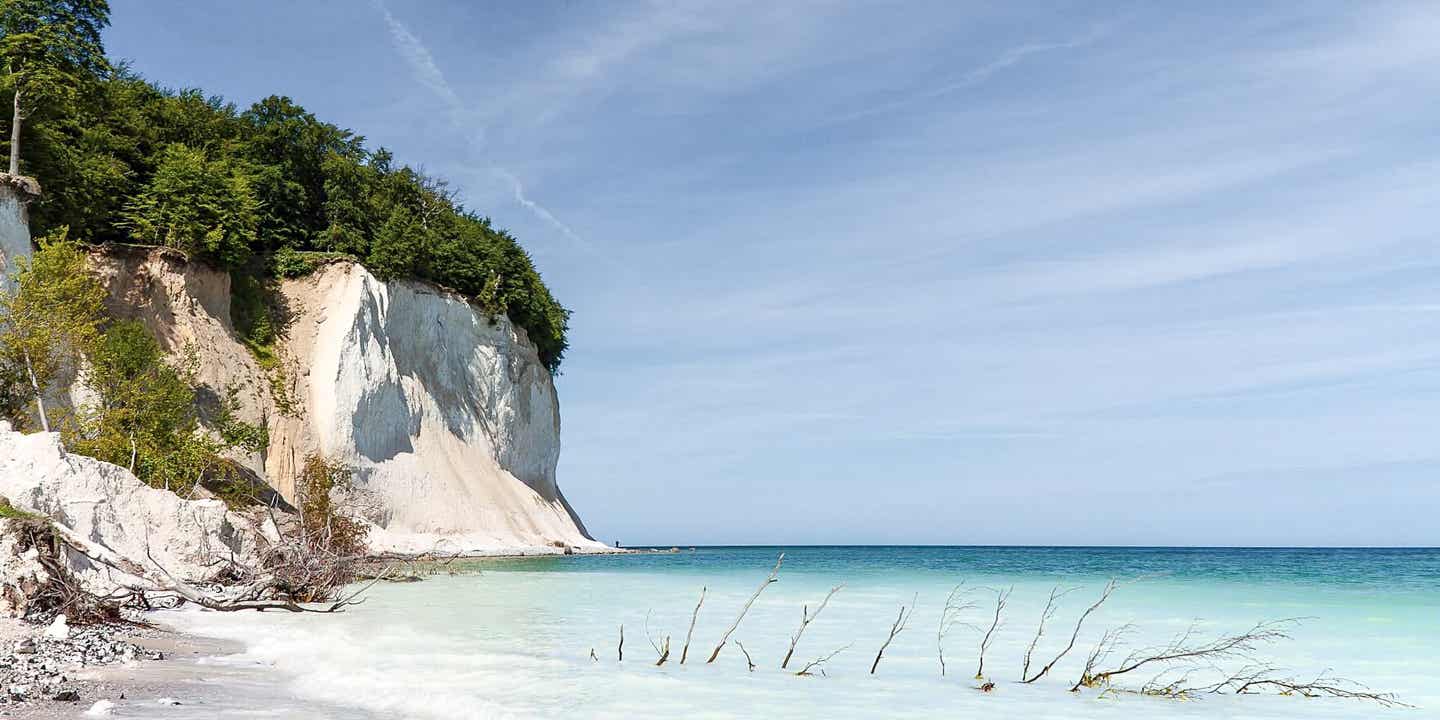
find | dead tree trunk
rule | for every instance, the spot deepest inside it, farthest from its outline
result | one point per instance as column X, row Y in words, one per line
column 726, row 637
column 805, row 619
column 898, row 627
column 16, row 118
column 685, row 651
column 620, row 649
column 30, row 368
column 1001, row 596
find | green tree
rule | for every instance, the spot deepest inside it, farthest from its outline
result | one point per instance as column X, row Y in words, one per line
column 146, row 407
column 201, row 206
column 51, row 317
column 48, row 48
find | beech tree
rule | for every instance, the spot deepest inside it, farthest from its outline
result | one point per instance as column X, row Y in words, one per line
column 47, row 49
column 51, row 318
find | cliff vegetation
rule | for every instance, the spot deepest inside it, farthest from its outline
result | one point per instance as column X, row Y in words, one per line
column 267, row 190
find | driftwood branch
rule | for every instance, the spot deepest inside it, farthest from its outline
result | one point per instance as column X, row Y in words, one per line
column 1185, row 649
column 819, row 663
column 1104, row 595
column 805, row 619
column 726, row 637
column 685, row 651
column 896, row 628
column 748, row 661
column 1001, row 597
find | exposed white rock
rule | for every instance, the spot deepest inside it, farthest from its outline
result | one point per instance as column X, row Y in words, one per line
column 59, row 628
column 14, row 230
column 449, row 420
column 109, row 507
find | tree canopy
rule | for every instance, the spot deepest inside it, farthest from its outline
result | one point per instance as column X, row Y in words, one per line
column 255, row 190
column 48, row 49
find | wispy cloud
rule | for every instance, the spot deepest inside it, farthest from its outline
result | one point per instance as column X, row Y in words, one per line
column 974, row 76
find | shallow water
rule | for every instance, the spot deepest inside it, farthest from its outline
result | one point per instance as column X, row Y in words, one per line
column 514, row 639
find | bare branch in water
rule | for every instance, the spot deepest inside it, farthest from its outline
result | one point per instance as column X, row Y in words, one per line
column 805, row 619
column 818, row 663
column 620, row 649
column 1104, row 595
column 748, row 661
column 1051, row 608
column 685, row 651
column 1184, row 649
column 955, row 605
column 1001, row 597
column 726, row 637
column 896, row 628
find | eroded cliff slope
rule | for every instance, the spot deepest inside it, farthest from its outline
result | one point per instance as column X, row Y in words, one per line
column 448, row 419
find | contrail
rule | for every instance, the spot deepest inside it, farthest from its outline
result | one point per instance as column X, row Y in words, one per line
column 427, row 72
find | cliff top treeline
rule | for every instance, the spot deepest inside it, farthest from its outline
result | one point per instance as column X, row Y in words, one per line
column 122, row 159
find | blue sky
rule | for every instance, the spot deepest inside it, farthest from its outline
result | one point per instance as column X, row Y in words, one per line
column 1033, row 273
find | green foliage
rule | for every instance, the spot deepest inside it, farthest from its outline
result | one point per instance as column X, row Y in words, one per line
column 48, row 321
column 254, row 318
column 146, row 418
column 237, row 433
column 10, row 512
column 139, row 163
column 49, row 49
column 325, row 528
column 200, row 206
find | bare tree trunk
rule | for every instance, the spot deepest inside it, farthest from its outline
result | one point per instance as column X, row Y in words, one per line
column 620, row 649
column 685, row 651
column 726, row 637
column 16, row 117
column 34, row 384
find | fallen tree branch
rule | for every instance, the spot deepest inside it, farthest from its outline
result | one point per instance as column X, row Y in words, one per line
column 818, row 663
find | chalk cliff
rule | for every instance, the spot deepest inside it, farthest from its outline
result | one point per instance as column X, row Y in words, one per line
column 448, row 419
column 15, row 192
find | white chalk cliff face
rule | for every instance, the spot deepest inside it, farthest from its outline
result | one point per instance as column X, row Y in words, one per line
column 14, row 231
column 449, row 421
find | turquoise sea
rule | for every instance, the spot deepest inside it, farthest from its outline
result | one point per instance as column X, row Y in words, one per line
column 513, row 638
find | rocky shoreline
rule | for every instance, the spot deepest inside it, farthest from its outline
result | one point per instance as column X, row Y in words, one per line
column 56, row 670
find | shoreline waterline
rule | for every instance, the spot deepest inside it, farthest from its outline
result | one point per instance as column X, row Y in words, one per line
column 503, row 641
